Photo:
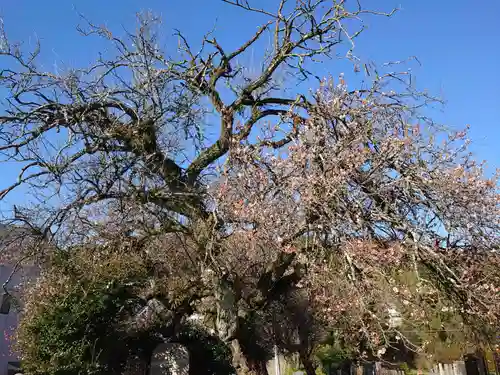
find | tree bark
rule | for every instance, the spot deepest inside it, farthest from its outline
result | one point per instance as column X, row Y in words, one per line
column 240, row 361
column 227, row 323
column 259, row 368
column 244, row 365
column 308, row 365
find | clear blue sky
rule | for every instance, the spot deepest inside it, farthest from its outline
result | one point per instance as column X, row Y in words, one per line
column 458, row 43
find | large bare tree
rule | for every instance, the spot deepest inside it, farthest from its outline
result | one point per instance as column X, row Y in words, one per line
column 330, row 191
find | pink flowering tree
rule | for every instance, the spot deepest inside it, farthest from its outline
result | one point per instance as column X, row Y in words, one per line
column 364, row 195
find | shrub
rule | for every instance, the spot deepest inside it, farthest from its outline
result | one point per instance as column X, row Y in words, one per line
column 73, row 318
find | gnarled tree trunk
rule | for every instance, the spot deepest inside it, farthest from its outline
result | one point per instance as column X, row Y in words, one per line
column 308, row 364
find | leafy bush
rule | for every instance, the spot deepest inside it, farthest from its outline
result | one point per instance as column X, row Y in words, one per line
column 333, row 353
column 73, row 316
column 208, row 355
column 77, row 318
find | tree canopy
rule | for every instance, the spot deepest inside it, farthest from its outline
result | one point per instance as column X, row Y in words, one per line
column 324, row 198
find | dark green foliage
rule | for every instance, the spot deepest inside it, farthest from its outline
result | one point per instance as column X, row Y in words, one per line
column 78, row 319
column 74, row 318
column 208, row 355
column 79, row 333
column 333, row 353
